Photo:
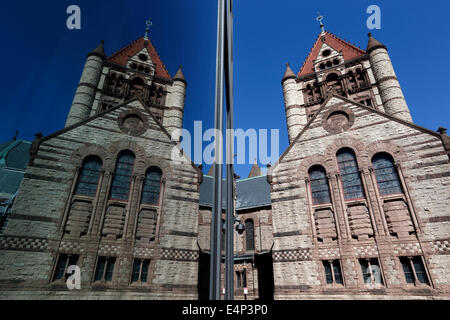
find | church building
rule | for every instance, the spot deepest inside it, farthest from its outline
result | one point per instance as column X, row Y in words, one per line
column 356, row 207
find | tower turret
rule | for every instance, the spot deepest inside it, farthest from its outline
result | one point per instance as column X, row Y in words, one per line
column 84, row 97
column 390, row 91
column 293, row 100
column 173, row 116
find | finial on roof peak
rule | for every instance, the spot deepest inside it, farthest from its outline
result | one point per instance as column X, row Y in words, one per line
column 255, row 171
column 320, row 18
column 374, row 44
column 289, row 74
column 99, row 51
column 179, row 76
column 147, row 30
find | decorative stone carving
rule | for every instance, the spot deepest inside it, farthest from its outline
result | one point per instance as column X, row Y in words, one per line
column 114, row 221
column 338, row 119
column 359, row 221
column 398, row 218
column 79, row 218
column 146, row 226
column 133, row 123
column 325, row 225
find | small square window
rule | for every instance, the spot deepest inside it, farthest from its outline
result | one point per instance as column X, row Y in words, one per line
column 64, row 261
column 371, row 271
column 140, row 270
column 105, row 269
column 333, row 273
column 414, row 270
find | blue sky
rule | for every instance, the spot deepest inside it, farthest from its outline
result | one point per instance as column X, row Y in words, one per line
column 43, row 60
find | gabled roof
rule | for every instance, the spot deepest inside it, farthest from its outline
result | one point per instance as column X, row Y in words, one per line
column 15, row 154
column 348, row 50
column 324, row 105
column 121, row 57
column 251, row 193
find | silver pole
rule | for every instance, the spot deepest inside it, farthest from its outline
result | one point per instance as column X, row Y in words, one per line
column 229, row 255
column 216, row 214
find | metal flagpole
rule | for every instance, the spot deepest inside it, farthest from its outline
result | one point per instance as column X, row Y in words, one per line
column 216, row 214
column 229, row 254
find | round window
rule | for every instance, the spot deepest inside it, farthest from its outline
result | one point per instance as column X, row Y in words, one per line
column 326, row 53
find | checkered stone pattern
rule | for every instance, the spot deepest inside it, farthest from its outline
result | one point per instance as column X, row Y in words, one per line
column 143, row 252
column 179, row 255
column 329, row 253
column 72, row 247
column 442, row 246
column 407, row 249
column 292, row 255
column 365, row 251
column 109, row 249
column 23, row 244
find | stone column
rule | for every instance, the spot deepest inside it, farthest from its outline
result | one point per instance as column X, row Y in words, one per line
column 87, row 88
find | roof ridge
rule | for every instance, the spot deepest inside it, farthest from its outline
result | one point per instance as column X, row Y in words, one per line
column 123, row 49
column 157, row 53
column 351, row 45
column 120, row 52
column 349, row 50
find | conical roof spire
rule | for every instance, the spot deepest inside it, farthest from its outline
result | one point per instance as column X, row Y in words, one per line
column 99, row 51
column 289, row 74
column 211, row 171
column 179, row 76
column 374, row 44
column 255, row 171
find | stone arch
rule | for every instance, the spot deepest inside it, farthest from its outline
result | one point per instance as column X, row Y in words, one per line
column 118, row 146
column 164, row 165
column 398, row 154
column 306, row 164
column 356, row 145
column 90, row 150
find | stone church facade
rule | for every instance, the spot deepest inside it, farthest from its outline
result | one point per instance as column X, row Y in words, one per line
column 356, row 207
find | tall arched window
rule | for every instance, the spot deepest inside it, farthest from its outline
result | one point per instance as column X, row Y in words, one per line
column 351, row 179
column 120, row 187
column 386, row 174
column 320, row 190
column 88, row 177
column 152, row 186
column 249, row 235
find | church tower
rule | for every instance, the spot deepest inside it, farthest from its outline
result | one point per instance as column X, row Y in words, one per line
column 135, row 71
column 336, row 66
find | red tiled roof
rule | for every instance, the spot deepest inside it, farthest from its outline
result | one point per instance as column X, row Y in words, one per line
column 349, row 51
column 121, row 56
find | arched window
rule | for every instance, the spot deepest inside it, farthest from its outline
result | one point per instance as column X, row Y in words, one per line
column 152, row 186
column 320, row 190
column 249, row 235
column 386, row 174
column 88, row 177
column 120, row 187
column 351, row 179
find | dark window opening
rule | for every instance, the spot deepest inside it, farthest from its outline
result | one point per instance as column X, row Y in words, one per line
column 371, row 271
column 64, row 261
column 249, row 235
column 140, row 270
column 386, row 174
column 333, row 274
column 120, row 187
column 89, row 176
column 350, row 176
column 414, row 270
column 152, row 186
column 320, row 190
column 105, row 269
